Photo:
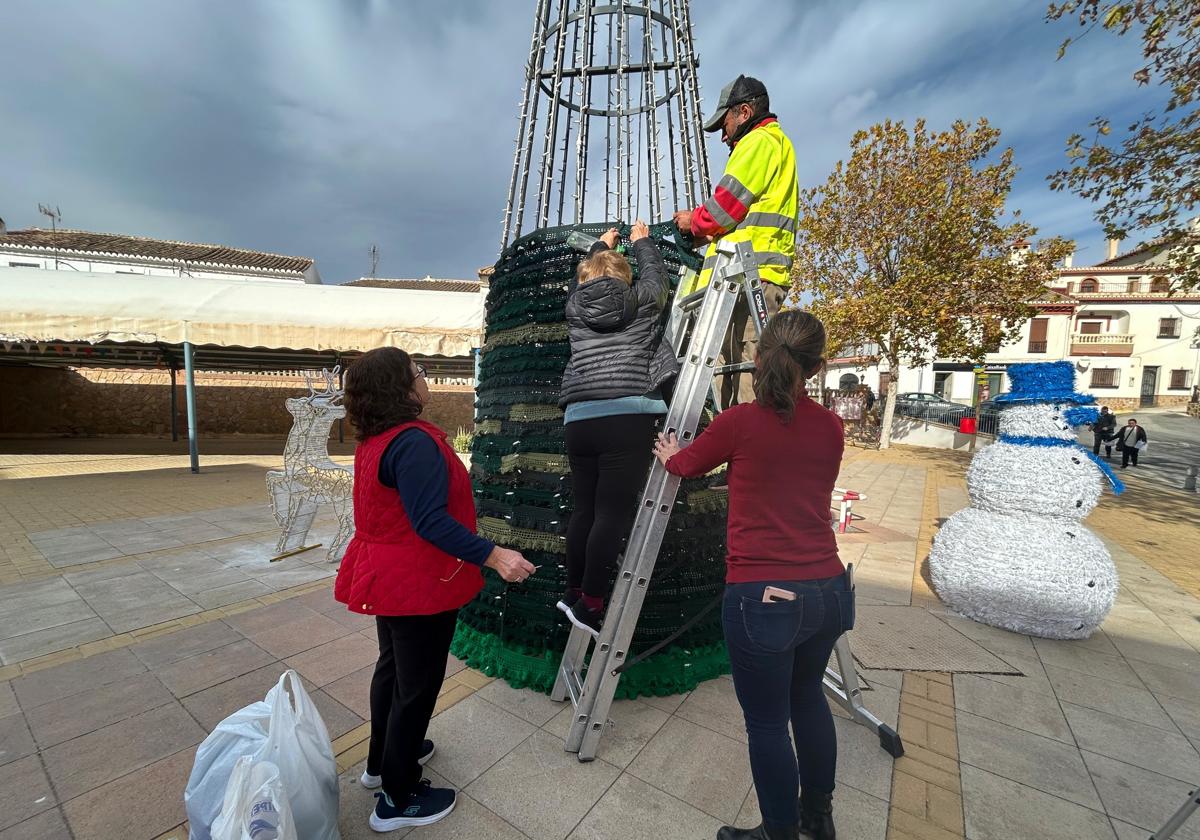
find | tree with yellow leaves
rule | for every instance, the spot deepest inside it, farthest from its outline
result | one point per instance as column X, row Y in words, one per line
column 908, row 246
column 1150, row 181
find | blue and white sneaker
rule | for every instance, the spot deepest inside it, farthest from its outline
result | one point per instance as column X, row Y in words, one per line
column 424, row 806
column 372, row 782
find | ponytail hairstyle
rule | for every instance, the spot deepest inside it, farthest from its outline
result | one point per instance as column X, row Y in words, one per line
column 791, row 349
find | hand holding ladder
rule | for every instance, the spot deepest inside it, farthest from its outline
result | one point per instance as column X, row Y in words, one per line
column 700, row 321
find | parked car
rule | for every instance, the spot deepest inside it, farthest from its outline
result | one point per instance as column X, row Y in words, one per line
column 932, row 407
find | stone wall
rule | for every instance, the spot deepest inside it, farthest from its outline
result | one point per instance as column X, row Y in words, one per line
column 1124, row 405
column 101, row 402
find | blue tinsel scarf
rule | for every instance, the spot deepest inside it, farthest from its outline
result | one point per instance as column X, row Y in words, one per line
column 1030, row 440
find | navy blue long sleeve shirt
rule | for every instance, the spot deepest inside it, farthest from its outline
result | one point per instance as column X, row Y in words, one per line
column 413, row 464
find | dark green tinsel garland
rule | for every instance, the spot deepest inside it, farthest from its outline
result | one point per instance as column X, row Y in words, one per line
column 523, row 498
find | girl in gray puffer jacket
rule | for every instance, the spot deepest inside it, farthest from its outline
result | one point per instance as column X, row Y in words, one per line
column 612, row 395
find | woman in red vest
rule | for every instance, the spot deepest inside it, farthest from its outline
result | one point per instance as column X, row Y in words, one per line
column 414, row 561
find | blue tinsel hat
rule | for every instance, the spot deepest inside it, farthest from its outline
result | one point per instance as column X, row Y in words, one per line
column 1044, row 382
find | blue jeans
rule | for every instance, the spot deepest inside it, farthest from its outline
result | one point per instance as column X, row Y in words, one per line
column 778, row 652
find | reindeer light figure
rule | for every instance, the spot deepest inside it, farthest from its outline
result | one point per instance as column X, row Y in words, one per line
column 309, row 477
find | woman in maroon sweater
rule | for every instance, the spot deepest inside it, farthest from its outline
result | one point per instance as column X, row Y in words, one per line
column 787, row 597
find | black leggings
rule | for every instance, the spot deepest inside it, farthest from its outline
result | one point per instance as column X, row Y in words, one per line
column 609, row 459
column 404, row 691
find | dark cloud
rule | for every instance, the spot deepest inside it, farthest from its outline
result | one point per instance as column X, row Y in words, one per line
column 321, row 128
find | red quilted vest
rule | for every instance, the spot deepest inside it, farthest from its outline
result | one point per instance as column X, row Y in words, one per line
column 388, row 569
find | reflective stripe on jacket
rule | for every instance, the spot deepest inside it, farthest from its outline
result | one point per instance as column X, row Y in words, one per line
column 756, row 201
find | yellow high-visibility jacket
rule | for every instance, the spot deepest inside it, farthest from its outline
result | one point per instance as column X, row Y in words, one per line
column 755, row 201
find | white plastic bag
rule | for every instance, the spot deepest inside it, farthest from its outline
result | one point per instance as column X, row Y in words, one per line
column 289, row 733
column 256, row 806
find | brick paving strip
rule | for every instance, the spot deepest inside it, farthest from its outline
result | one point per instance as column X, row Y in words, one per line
column 926, row 801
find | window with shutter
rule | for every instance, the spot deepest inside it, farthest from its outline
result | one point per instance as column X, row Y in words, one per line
column 1159, row 285
column 1088, row 285
column 1179, row 379
column 1168, row 328
column 1104, row 377
column 1037, row 335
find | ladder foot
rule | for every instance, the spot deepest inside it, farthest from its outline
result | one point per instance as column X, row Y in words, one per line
column 889, row 739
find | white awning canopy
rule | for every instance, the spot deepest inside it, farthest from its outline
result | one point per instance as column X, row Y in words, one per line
column 70, row 306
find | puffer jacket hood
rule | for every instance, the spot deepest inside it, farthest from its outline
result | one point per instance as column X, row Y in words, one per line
column 616, row 334
column 605, row 304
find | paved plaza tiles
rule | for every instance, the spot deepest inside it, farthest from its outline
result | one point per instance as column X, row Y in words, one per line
column 138, row 608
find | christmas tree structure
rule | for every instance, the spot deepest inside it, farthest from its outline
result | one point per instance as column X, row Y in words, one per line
column 1019, row 557
column 523, row 496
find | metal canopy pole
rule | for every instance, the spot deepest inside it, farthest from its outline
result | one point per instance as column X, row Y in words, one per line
column 190, row 382
column 341, row 387
column 174, row 406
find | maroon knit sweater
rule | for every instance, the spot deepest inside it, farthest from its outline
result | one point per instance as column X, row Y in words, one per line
column 781, row 476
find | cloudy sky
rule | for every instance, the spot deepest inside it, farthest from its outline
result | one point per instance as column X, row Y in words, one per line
column 319, row 127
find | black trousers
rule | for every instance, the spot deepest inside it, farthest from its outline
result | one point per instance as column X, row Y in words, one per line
column 1128, row 454
column 1102, row 440
column 404, row 690
column 609, row 457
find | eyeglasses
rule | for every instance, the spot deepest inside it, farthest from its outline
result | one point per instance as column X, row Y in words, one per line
column 420, row 370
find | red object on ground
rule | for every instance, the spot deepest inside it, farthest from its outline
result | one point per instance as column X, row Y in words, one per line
column 966, row 425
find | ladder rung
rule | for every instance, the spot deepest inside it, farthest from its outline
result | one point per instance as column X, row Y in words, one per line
column 739, row 367
column 573, row 682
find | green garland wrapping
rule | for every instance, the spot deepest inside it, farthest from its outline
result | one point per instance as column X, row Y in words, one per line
column 523, row 494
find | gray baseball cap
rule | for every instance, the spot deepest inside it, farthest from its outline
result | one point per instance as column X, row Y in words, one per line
column 742, row 89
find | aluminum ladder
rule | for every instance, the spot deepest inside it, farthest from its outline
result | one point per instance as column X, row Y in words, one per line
column 699, row 321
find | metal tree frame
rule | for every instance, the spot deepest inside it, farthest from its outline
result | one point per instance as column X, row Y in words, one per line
column 616, row 84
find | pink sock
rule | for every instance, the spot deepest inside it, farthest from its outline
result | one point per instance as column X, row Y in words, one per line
column 593, row 602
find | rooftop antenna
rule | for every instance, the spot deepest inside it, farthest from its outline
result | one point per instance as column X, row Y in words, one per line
column 610, row 91
column 374, row 260
column 55, row 215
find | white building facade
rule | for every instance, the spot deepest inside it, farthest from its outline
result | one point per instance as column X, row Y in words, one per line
column 108, row 253
column 1131, row 341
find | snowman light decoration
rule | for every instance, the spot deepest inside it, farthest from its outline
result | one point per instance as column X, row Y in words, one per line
column 1019, row 556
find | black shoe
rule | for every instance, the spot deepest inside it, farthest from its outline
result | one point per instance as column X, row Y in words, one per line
column 760, row 832
column 424, row 806
column 568, row 600
column 584, row 618
column 427, row 751
column 816, row 816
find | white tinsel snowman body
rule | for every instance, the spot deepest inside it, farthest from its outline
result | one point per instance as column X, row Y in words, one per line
column 1020, row 557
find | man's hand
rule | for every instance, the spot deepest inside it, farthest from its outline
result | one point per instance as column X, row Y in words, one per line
column 610, row 237
column 640, row 230
column 510, row 565
column 683, row 220
column 665, row 447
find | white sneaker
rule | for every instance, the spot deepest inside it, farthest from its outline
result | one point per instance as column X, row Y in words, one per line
column 370, row 782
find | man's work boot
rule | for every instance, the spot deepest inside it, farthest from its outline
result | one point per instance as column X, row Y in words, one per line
column 816, row 815
column 764, row 831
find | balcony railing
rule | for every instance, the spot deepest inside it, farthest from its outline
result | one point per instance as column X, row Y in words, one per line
column 1037, row 347
column 1101, row 338
column 1101, row 344
column 1117, row 287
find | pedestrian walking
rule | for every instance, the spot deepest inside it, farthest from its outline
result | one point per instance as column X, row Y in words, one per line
column 1104, row 432
column 1131, row 441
